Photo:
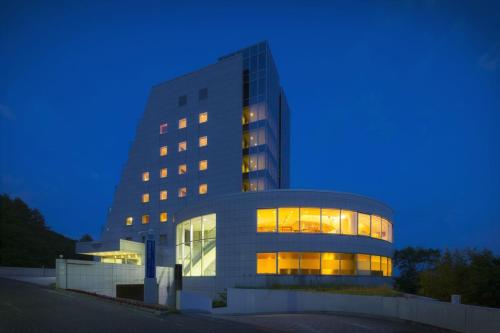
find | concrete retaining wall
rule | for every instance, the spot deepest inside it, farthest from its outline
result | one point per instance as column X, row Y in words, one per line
column 27, row 271
column 102, row 278
column 458, row 317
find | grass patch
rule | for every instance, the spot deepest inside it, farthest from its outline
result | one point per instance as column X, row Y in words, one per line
column 221, row 301
column 343, row 289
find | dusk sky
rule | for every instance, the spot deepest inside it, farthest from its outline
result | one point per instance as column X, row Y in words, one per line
column 396, row 100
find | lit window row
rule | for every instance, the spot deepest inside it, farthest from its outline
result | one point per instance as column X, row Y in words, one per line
column 182, row 146
column 145, row 219
column 323, row 263
column 202, row 189
column 202, row 118
column 202, row 166
column 323, row 220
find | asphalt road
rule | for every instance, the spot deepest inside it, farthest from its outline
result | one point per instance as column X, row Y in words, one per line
column 27, row 307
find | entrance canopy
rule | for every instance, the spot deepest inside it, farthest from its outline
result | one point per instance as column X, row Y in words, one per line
column 115, row 252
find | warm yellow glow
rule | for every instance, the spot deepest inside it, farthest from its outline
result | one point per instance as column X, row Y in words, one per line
column 349, row 222
column 330, row 263
column 203, row 165
column 145, row 197
column 363, row 264
column 203, row 141
column 384, row 234
column 363, row 224
column 203, row 189
column 145, row 219
column 203, row 117
column 375, row 266
column 129, row 220
column 330, row 220
column 310, row 220
column 163, row 217
column 182, row 169
column 288, row 219
column 310, row 263
column 288, row 263
column 145, row 176
column 376, row 226
column 266, row 220
column 389, row 267
column 383, row 263
column 182, row 146
column 163, row 195
column 163, row 151
column 163, row 173
column 182, row 192
column 182, row 123
column 266, row 263
column 347, row 264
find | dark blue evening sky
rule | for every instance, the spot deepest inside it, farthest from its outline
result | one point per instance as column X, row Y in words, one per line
column 398, row 100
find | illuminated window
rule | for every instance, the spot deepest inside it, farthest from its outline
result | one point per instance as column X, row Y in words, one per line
column 385, row 230
column 163, row 151
column 145, row 219
column 163, row 173
column 163, row 195
column 330, row 263
column 363, row 264
column 310, row 263
column 310, row 220
column 203, row 117
column 288, row 220
column 145, row 176
column 203, row 189
column 182, row 146
column 330, row 220
column 129, row 220
column 145, row 197
column 383, row 264
column 163, row 217
column 363, row 224
column 182, row 123
column 288, row 263
column 375, row 266
column 376, row 226
column 389, row 267
column 203, row 141
column 266, row 220
column 182, row 169
column 182, row 192
column 347, row 264
column 390, row 232
column 266, row 263
column 349, row 222
column 203, row 165
column 163, row 128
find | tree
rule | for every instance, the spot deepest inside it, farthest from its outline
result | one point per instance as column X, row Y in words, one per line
column 411, row 262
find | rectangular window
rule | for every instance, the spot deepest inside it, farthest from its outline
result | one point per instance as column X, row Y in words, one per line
column 385, row 230
column 310, row 263
column 203, row 189
column 203, row 141
column 182, row 123
column 266, row 263
column 363, row 264
column 182, row 169
column 383, row 264
column 266, row 220
column 163, row 173
column 288, row 220
column 310, row 220
column 182, row 146
column 389, row 267
column 389, row 232
column 163, row 128
column 376, row 226
column 347, row 264
column 288, row 263
column 203, row 117
column 363, row 224
column 163, row 217
column 182, row 192
column 183, row 100
column 375, row 266
column 330, row 221
column 163, row 151
column 145, row 176
column 163, row 195
column 330, row 263
column 129, row 220
column 349, row 222
column 145, row 197
column 203, row 94
column 203, row 165
column 145, row 219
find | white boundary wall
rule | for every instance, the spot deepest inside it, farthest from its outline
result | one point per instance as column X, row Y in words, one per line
column 27, row 271
column 102, row 278
column 458, row 317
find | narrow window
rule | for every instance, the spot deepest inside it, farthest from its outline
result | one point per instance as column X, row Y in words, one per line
column 182, row 169
column 163, row 151
column 203, row 141
column 163, row 128
column 182, row 192
column 182, row 146
column 376, row 226
column 349, row 222
column 266, row 263
column 163, row 195
column 145, row 176
column 363, row 224
column 203, row 117
column 182, row 123
column 129, row 220
column 183, row 100
column 288, row 220
column 363, row 264
column 310, row 220
column 145, row 197
column 145, row 219
column 163, row 217
column 202, row 94
column 203, row 165
column 163, row 173
column 203, row 189
column 266, row 220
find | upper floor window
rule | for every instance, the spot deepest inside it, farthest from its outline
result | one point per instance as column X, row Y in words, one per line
column 145, row 197
column 163, row 217
column 163, row 151
column 203, row 117
column 163, row 173
column 183, row 100
column 163, row 128
column 182, row 169
column 182, row 146
column 129, row 220
column 203, row 165
column 145, row 219
column 163, row 195
column 145, row 176
column 203, row 94
column 203, row 189
column 203, row 141
column 182, row 123
column 182, row 192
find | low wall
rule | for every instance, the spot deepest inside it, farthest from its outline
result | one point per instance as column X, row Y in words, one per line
column 458, row 317
column 27, row 271
column 102, row 278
